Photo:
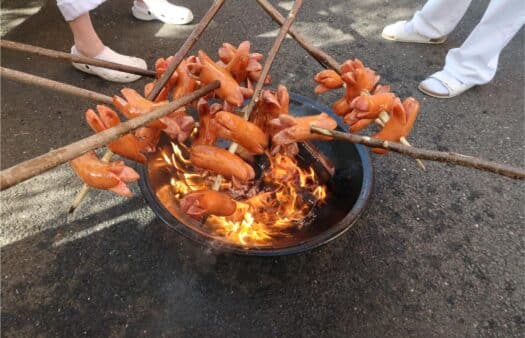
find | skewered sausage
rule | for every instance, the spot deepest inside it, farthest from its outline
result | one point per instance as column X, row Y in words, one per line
column 208, row 202
column 234, row 128
column 178, row 125
column 208, row 71
column 297, row 129
column 270, row 106
column 328, row 79
column 400, row 124
column 128, row 146
column 101, row 175
column 221, row 161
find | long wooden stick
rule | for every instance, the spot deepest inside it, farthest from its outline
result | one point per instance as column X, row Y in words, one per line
column 190, row 41
column 324, row 59
column 247, row 110
column 53, row 85
column 74, row 58
column 54, row 158
column 425, row 154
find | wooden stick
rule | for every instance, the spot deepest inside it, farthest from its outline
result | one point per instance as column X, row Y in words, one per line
column 53, row 85
column 247, row 110
column 74, row 58
column 425, row 154
column 190, row 41
column 420, row 163
column 324, row 59
column 54, row 158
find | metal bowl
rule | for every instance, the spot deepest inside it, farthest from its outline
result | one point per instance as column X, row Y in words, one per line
column 349, row 194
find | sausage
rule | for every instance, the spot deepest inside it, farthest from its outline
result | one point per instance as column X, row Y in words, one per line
column 234, row 128
column 221, row 161
column 341, row 107
column 127, row 146
column 297, row 129
column 270, row 106
column 369, row 106
column 400, row 124
column 185, row 84
column 236, row 59
column 243, row 65
column 328, row 79
column 209, row 71
column 206, row 135
column 101, row 175
column 208, row 202
column 133, row 105
column 178, row 125
column 358, row 78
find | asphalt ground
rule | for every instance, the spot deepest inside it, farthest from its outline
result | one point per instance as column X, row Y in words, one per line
column 437, row 253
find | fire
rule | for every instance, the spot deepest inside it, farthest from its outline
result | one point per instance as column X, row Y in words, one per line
column 288, row 196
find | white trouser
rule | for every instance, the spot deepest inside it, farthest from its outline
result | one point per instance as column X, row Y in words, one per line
column 72, row 9
column 476, row 61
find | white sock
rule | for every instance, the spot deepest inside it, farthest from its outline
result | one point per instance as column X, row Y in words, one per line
column 435, row 86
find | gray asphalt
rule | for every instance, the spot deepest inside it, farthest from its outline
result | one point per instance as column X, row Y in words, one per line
column 437, row 253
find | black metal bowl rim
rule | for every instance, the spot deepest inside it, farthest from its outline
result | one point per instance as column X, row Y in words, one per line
column 323, row 238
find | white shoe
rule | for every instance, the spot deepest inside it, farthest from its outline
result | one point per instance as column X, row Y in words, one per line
column 443, row 86
column 403, row 32
column 108, row 54
column 161, row 10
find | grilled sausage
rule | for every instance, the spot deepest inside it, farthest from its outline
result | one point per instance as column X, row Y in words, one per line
column 208, row 202
column 221, row 161
column 234, row 128
column 101, row 175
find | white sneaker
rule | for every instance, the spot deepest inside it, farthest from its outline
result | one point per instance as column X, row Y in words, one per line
column 403, row 32
column 161, row 10
column 108, row 54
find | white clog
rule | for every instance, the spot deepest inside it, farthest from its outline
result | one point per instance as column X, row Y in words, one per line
column 161, row 10
column 108, row 54
column 401, row 32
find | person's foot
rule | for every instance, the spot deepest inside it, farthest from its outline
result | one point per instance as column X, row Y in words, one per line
column 162, row 10
column 403, row 31
column 443, row 85
column 107, row 54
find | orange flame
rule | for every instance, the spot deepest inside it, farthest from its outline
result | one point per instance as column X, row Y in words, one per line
column 289, row 195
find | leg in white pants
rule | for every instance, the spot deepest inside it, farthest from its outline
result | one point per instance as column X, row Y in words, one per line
column 439, row 17
column 476, row 61
column 72, row 9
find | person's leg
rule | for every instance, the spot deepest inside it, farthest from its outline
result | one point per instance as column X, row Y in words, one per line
column 439, row 17
column 86, row 39
column 88, row 43
column 431, row 24
column 476, row 61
